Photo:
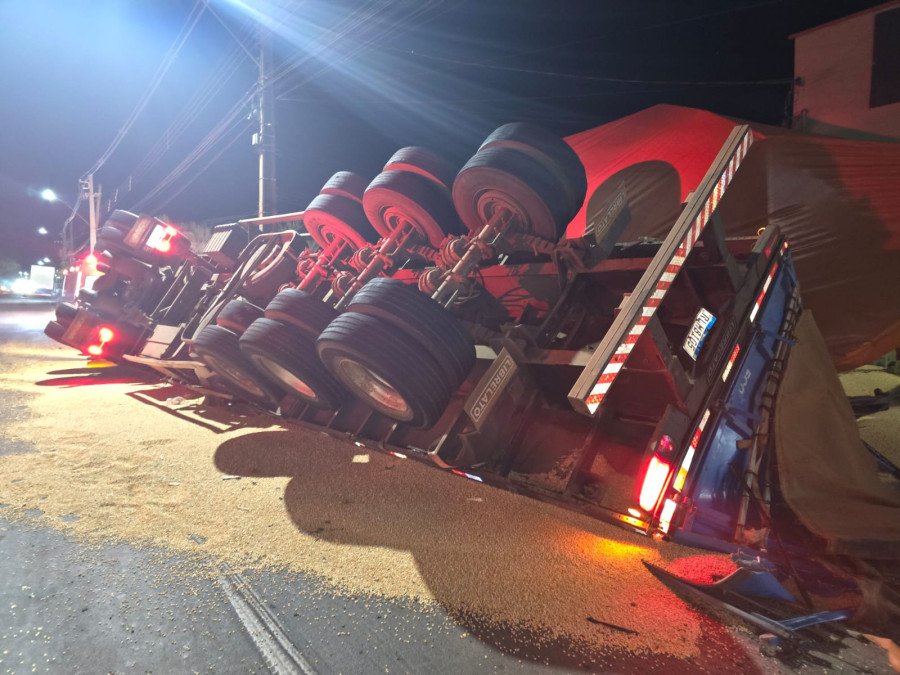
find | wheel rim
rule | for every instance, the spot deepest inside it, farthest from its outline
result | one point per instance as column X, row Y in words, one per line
column 336, row 236
column 491, row 202
column 373, row 387
column 286, row 377
column 240, row 378
column 395, row 219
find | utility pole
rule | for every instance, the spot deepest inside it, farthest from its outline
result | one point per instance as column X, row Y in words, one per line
column 264, row 138
column 94, row 209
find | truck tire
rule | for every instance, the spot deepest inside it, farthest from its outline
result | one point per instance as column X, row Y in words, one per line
column 121, row 220
column 331, row 217
column 126, row 266
column 434, row 328
column 345, row 184
column 423, row 162
column 542, row 144
column 106, row 282
column 272, row 272
column 218, row 348
column 112, row 239
column 54, row 330
column 65, row 312
column 397, row 196
column 206, row 318
column 301, row 310
column 288, row 359
column 385, row 368
column 237, row 315
column 499, row 178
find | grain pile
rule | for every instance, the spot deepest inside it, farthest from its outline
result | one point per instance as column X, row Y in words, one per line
column 114, row 459
column 108, row 466
column 882, row 429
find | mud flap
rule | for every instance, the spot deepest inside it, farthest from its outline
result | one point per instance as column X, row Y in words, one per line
column 723, row 596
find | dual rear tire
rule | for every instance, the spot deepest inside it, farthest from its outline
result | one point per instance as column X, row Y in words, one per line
column 399, row 351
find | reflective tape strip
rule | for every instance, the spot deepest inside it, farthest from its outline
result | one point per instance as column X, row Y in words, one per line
column 762, row 294
column 681, row 476
column 730, row 364
column 595, row 397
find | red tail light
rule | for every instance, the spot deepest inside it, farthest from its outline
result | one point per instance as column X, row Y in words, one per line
column 655, row 481
column 89, row 265
column 104, row 335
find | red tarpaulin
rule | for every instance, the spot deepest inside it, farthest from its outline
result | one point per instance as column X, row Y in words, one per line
column 838, row 202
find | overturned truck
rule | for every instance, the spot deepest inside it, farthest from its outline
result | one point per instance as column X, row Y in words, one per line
column 444, row 317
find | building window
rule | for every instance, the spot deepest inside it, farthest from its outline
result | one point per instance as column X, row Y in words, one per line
column 886, row 59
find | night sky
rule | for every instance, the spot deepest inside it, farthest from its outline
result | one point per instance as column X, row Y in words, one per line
column 355, row 81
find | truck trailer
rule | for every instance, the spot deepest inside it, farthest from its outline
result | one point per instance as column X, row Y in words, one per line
column 443, row 316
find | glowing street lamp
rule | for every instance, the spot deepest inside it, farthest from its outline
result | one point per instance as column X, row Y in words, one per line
column 48, row 195
column 42, row 230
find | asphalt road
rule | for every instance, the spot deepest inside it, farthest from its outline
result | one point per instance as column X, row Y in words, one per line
column 69, row 607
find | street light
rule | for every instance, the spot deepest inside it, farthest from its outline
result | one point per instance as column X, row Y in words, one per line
column 49, row 195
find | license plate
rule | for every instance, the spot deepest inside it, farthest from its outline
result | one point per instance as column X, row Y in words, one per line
column 703, row 323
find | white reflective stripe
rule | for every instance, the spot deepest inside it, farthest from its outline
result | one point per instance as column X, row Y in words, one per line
column 658, row 294
column 753, row 312
column 614, row 367
column 704, row 420
column 677, row 260
column 625, row 348
column 600, row 388
column 637, row 329
column 647, row 311
column 727, row 370
column 667, row 276
column 688, row 458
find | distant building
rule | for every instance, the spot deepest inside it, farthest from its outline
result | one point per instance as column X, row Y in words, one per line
column 847, row 75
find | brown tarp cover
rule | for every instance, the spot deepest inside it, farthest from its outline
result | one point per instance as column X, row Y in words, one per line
column 838, row 201
column 828, row 478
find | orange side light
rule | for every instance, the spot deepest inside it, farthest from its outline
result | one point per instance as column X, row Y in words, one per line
column 654, row 483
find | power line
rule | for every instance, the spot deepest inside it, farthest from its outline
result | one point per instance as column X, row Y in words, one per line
column 633, row 29
column 168, row 60
column 239, row 41
column 597, row 78
column 185, row 184
column 371, row 34
column 189, row 113
column 225, row 125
